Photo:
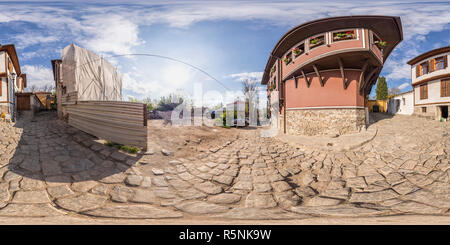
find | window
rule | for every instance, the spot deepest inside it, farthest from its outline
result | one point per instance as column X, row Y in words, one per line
column 300, row 49
column 404, row 101
column 316, row 41
column 424, row 91
column 344, row 35
column 445, row 88
column 424, row 110
column 440, row 63
column 272, row 71
column 424, row 68
column 288, row 58
column 378, row 41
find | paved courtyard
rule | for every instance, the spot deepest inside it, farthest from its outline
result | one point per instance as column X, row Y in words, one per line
column 49, row 169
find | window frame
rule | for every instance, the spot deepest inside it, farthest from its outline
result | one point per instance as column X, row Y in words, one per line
column 288, row 55
column 422, row 65
column 354, row 36
column 298, row 46
column 442, row 61
column 316, row 45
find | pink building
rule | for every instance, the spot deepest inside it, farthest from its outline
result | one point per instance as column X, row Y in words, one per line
column 321, row 72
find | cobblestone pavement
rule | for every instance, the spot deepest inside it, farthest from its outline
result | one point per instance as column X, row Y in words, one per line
column 50, row 169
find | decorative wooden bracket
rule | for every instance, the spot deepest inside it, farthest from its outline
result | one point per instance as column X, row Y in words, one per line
column 366, row 79
column 308, row 82
column 363, row 71
column 341, row 67
column 318, row 75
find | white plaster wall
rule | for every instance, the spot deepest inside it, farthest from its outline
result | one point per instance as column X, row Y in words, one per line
column 406, row 108
column 432, row 74
column 434, row 94
column 2, row 62
column 4, row 91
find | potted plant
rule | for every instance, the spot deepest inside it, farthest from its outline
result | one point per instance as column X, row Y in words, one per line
column 381, row 44
column 344, row 35
column 297, row 51
column 315, row 42
column 287, row 59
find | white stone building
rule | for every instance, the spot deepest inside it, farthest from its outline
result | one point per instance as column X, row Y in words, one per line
column 12, row 80
column 401, row 104
column 430, row 78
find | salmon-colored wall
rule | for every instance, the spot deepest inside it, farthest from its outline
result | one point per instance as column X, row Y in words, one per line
column 377, row 52
column 332, row 94
column 300, row 60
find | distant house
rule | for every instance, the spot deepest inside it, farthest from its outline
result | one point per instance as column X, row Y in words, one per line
column 430, row 78
column 12, row 80
column 236, row 105
column 401, row 104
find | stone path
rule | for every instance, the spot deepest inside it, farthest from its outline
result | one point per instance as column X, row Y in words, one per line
column 50, row 169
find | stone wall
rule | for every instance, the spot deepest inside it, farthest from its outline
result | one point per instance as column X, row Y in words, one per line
column 325, row 121
column 432, row 111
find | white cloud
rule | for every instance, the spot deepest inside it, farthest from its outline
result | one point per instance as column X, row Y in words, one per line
column 109, row 34
column 403, row 86
column 38, row 76
column 115, row 29
column 247, row 75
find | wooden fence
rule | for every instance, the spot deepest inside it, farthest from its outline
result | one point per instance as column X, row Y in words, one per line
column 120, row 122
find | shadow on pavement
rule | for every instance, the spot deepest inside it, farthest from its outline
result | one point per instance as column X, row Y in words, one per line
column 51, row 150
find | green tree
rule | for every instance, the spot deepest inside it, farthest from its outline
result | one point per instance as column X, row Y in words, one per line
column 382, row 89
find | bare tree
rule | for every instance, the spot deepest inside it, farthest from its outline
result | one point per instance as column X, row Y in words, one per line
column 249, row 88
column 394, row 91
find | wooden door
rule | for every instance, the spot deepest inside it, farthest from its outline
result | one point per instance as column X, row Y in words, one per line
column 23, row 102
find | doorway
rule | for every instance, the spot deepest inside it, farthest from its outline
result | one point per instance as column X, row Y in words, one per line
column 444, row 111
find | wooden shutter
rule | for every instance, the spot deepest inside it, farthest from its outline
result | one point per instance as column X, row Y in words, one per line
column 445, row 88
column 432, row 65
column 417, row 71
column 11, row 69
column 445, row 61
column 424, row 91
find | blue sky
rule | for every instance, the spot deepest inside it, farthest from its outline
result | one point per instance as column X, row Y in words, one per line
column 230, row 40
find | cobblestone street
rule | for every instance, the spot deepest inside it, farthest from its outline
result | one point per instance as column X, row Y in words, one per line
column 50, row 169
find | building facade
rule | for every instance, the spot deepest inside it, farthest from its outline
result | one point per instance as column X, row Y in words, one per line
column 430, row 78
column 324, row 70
column 402, row 104
column 12, row 80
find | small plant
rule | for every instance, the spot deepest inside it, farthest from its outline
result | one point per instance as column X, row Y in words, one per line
column 381, row 43
column 287, row 59
column 297, row 51
column 109, row 143
column 129, row 149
